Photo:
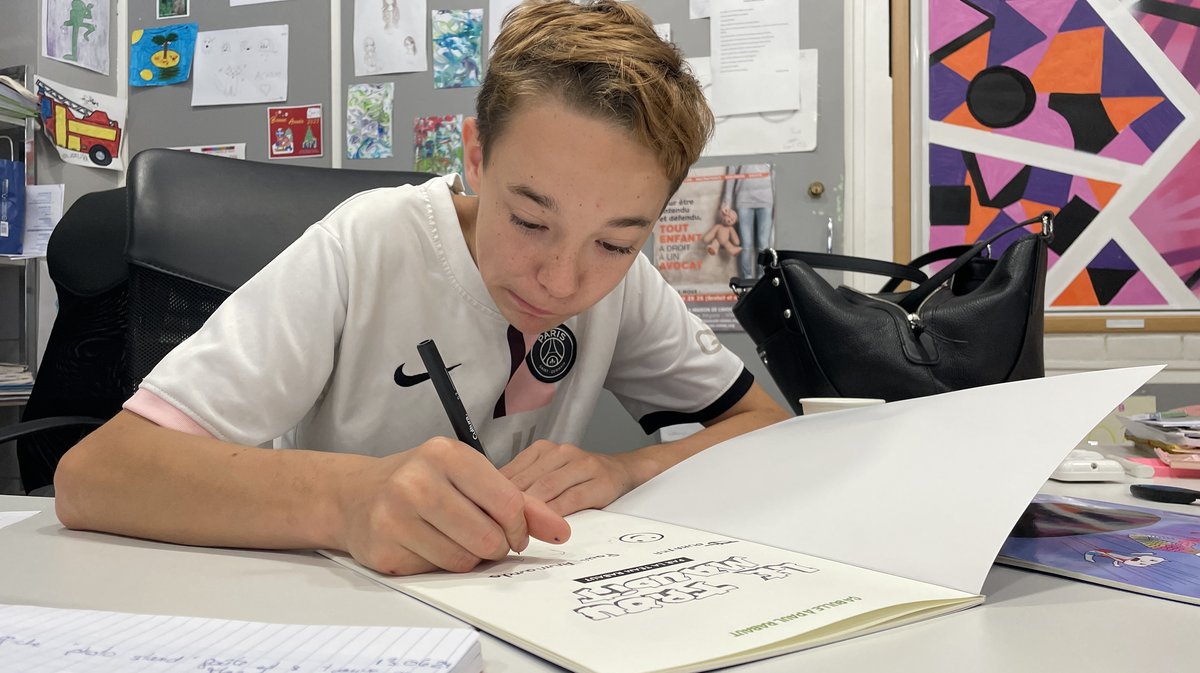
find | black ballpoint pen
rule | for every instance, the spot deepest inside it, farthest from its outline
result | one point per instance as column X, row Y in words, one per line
column 448, row 394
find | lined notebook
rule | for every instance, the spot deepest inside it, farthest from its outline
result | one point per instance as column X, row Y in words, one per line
column 50, row 639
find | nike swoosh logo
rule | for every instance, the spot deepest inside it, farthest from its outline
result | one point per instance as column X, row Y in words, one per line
column 405, row 381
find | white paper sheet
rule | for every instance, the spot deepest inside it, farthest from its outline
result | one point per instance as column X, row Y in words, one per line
column 917, row 488
column 228, row 150
column 755, row 56
column 49, row 639
column 390, row 36
column 240, row 65
column 765, row 132
column 43, row 210
column 9, row 518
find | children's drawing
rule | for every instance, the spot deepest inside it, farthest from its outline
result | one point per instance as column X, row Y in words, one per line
column 389, row 36
column 369, row 121
column 241, row 65
column 1049, row 71
column 295, row 132
column 76, row 32
column 1175, row 28
column 172, row 9
column 85, row 127
column 161, row 55
column 437, row 144
column 457, row 34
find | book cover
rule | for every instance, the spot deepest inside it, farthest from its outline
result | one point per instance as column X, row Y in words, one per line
column 1138, row 549
column 632, row 595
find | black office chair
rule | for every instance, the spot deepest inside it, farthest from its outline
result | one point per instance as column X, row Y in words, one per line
column 80, row 378
column 198, row 227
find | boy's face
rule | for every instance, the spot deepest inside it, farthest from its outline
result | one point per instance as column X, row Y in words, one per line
column 565, row 204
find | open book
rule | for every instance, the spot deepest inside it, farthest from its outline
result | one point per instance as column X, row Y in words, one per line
column 630, row 595
column 1150, row 551
column 812, row 530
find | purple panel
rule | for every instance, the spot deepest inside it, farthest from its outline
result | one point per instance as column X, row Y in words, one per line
column 1012, row 35
column 940, row 237
column 1138, row 291
column 988, row 6
column 1002, row 221
column 1123, row 75
column 946, row 166
column 947, row 91
column 1081, row 188
column 1049, row 187
column 996, row 173
column 1112, row 257
column 1158, row 123
column 1082, row 16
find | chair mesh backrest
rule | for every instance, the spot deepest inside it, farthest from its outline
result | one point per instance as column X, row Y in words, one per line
column 168, row 310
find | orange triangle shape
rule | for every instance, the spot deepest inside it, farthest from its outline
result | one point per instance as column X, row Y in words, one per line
column 981, row 217
column 1103, row 190
column 1072, row 64
column 1122, row 111
column 969, row 60
column 1079, row 293
column 1033, row 209
column 961, row 116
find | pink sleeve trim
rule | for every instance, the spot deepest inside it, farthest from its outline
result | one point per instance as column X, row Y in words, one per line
column 160, row 412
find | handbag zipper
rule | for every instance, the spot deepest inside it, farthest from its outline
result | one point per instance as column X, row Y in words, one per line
column 914, row 319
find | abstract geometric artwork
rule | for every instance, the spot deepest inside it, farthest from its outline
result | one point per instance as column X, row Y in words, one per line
column 973, row 195
column 1174, row 27
column 1065, row 105
column 1048, row 71
column 1170, row 219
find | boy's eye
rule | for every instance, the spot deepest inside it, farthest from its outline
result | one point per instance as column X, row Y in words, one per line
column 620, row 250
column 524, row 224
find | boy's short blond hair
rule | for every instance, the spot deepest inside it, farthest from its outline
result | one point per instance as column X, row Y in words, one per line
column 602, row 59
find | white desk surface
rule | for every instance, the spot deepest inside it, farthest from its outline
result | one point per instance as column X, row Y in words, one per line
column 1030, row 622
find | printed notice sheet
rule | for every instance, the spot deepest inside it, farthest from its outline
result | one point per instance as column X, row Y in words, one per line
column 755, row 56
column 710, row 600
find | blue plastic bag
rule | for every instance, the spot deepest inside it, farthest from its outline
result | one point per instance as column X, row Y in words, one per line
column 12, row 203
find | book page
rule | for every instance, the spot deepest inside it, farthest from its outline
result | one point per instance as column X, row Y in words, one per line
column 49, row 639
column 628, row 595
column 926, row 488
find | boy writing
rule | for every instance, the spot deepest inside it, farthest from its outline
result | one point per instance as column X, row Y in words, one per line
column 534, row 291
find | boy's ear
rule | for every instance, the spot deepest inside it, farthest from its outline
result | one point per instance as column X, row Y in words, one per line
column 472, row 153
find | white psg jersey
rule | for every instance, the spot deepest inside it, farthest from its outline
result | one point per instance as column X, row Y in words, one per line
column 321, row 345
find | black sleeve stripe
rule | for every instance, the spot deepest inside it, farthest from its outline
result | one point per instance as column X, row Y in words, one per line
column 659, row 419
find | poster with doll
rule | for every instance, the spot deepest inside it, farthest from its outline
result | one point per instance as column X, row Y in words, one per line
column 295, row 132
column 712, row 230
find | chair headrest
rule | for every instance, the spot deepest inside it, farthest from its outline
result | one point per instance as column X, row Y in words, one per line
column 86, row 252
column 217, row 221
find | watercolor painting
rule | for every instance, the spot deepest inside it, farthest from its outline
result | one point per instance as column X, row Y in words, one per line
column 76, row 32
column 369, row 121
column 437, row 144
column 457, row 35
column 162, row 55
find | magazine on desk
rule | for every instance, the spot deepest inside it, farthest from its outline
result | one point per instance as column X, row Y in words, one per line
column 631, row 595
column 1149, row 551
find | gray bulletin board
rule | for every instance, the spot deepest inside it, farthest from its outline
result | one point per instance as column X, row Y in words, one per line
column 163, row 116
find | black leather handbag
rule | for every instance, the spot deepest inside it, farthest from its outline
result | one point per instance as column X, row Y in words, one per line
column 977, row 321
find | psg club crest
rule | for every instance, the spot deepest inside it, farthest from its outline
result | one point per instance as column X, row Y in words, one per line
column 552, row 357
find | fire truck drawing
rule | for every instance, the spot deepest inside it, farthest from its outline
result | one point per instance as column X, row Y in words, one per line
column 75, row 127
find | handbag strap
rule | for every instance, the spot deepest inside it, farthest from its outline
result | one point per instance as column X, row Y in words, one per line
column 824, row 260
column 913, row 299
column 948, row 252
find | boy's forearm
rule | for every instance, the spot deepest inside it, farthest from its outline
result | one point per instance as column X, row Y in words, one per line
column 135, row 478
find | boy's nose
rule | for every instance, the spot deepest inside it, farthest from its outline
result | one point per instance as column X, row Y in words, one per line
column 559, row 274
